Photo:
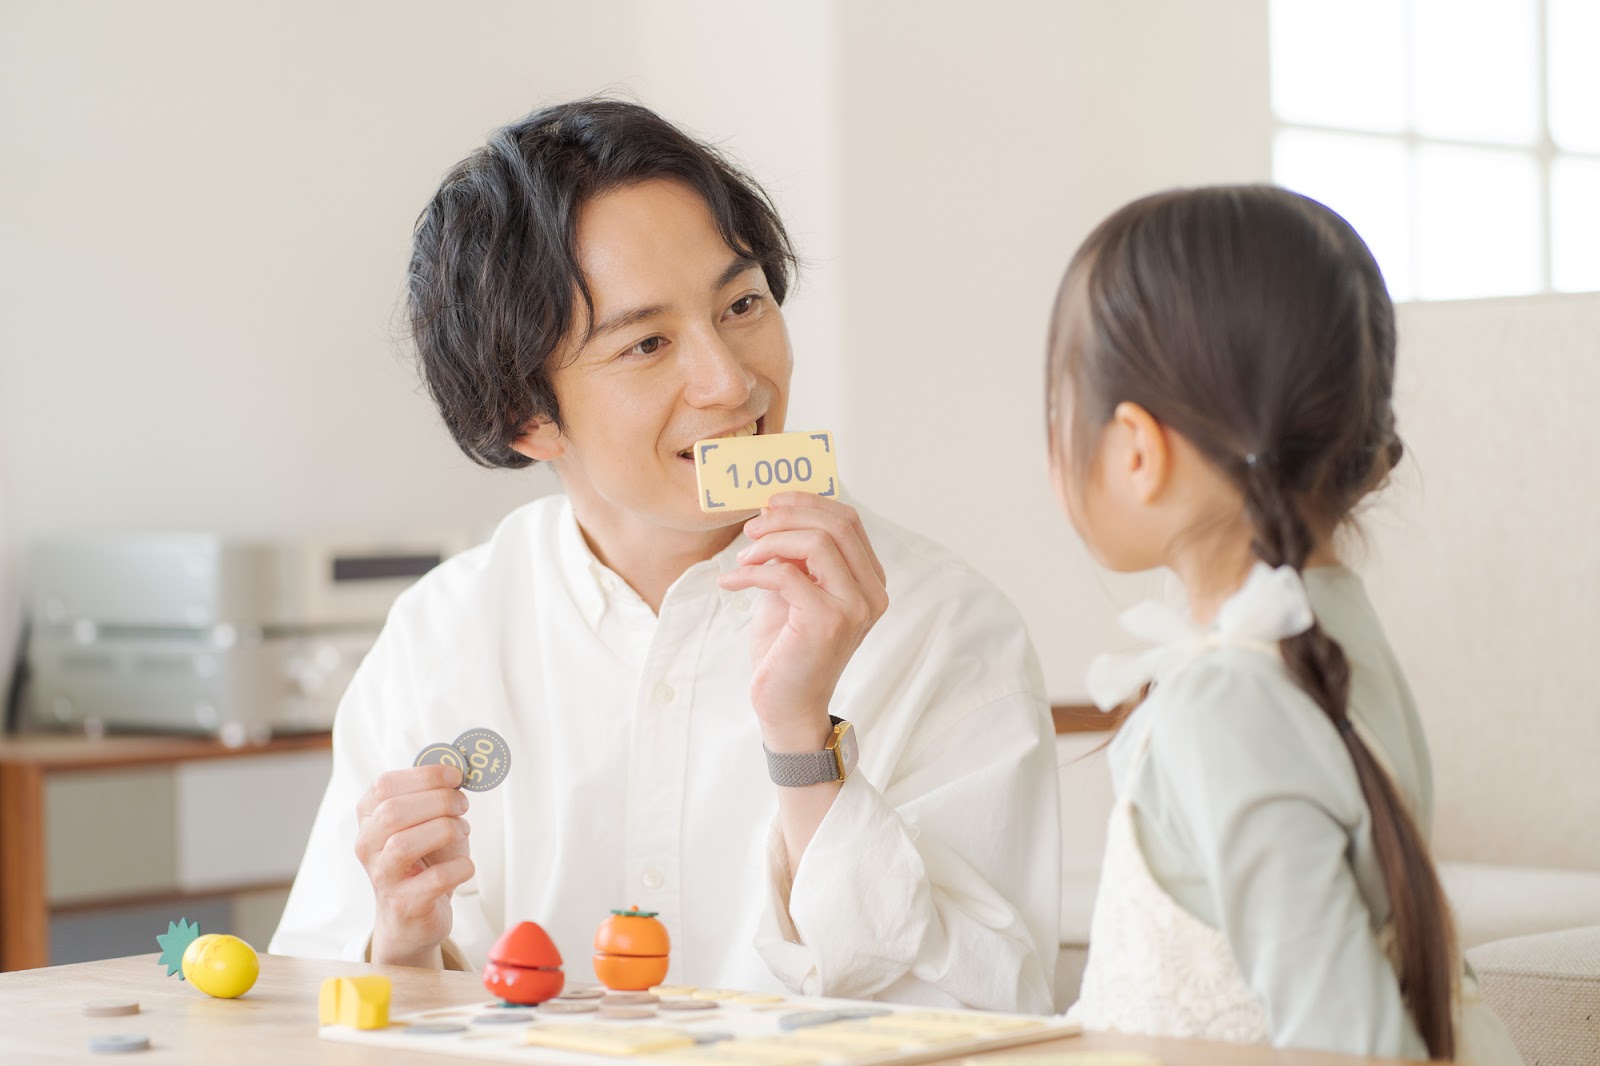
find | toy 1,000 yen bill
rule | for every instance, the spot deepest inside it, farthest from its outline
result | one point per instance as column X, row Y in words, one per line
column 743, row 473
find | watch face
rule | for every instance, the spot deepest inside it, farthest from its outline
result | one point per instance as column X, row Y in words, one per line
column 847, row 752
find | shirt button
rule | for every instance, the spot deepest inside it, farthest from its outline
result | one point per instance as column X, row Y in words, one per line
column 653, row 879
column 664, row 692
column 741, row 603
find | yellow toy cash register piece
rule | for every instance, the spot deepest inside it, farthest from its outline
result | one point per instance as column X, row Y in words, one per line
column 356, row 1002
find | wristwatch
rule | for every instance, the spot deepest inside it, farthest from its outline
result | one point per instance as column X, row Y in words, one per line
column 832, row 763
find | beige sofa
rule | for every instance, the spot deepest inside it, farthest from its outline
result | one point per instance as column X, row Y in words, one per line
column 1547, row 989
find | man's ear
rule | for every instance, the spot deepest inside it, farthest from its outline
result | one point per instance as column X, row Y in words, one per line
column 540, row 440
column 1147, row 456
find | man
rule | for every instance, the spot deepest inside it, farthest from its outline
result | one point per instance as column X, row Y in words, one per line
column 597, row 291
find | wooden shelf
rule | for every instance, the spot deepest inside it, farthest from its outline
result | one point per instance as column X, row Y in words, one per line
column 1086, row 718
column 51, row 752
column 25, row 763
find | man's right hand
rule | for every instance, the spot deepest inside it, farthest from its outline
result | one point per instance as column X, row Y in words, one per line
column 412, row 842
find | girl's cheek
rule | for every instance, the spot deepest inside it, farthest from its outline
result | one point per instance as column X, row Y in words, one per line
column 1069, row 496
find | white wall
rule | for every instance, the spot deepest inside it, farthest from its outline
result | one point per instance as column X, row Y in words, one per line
column 207, row 208
column 206, row 220
column 761, row 81
column 979, row 149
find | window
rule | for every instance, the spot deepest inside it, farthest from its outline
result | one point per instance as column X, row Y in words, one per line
column 1460, row 137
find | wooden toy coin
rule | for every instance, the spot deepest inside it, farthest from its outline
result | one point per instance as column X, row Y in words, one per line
column 850, row 1014
column 505, row 1017
column 110, row 1008
column 629, row 999
column 582, row 993
column 434, row 1029
column 626, row 1013
column 568, row 1006
column 687, row 1004
column 806, row 1019
column 488, row 759
column 118, row 1043
column 710, row 1036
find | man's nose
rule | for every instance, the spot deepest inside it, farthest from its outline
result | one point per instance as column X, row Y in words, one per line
column 716, row 376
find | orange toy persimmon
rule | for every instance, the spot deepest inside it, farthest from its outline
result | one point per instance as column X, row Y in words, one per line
column 631, row 949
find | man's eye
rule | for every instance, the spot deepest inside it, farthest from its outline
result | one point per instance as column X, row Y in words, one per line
column 648, row 346
column 744, row 305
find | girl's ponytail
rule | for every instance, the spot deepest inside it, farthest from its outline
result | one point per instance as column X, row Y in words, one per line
column 1419, row 911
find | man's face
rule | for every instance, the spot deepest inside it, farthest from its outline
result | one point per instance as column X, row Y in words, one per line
column 687, row 343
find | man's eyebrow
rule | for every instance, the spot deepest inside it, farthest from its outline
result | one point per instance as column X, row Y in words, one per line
column 739, row 265
column 616, row 320
column 632, row 316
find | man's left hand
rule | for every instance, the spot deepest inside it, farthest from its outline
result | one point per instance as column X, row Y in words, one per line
column 827, row 590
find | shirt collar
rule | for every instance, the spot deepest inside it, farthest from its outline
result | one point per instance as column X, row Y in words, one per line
column 594, row 587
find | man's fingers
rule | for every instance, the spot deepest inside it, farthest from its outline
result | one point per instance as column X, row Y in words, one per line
column 786, row 579
column 802, row 510
column 401, row 853
column 401, row 812
column 817, row 555
column 415, row 898
column 396, row 783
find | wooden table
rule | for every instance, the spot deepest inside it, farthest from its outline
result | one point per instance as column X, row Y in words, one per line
column 42, row 1020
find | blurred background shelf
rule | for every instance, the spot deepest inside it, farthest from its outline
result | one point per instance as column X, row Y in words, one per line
column 102, row 841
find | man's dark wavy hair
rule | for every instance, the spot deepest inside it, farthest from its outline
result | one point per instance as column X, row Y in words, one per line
column 494, row 284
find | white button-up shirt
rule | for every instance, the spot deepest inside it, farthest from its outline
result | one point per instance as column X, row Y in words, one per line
column 638, row 778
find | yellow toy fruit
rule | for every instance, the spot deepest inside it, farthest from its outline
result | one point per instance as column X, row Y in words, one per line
column 221, row 965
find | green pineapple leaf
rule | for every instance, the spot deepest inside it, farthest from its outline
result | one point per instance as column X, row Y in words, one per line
column 174, row 942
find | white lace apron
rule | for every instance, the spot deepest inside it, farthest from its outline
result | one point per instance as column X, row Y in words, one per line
column 1154, row 968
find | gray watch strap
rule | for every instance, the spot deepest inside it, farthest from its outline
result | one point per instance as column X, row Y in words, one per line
column 804, row 768
column 796, row 769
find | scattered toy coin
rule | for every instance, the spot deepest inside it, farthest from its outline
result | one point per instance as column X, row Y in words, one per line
column 626, row 1013
column 119, row 1043
column 110, row 1008
column 687, row 1004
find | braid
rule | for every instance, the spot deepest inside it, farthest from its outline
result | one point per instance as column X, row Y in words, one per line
column 1418, row 908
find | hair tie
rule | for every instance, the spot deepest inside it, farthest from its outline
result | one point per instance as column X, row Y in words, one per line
column 1256, row 460
column 1346, row 726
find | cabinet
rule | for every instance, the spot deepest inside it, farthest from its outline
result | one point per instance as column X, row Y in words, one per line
column 102, row 841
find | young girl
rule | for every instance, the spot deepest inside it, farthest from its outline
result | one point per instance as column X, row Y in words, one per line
column 1220, row 369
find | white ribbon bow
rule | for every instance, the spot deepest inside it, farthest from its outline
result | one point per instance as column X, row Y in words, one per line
column 1270, row 606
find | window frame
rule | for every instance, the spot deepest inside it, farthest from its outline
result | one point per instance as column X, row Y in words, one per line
column 1543, row 150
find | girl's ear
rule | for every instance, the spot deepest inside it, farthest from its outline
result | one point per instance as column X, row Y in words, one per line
column 541, row 440
column 1146, row 455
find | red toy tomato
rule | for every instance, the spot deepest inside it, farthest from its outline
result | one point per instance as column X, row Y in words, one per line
column 524, row 966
